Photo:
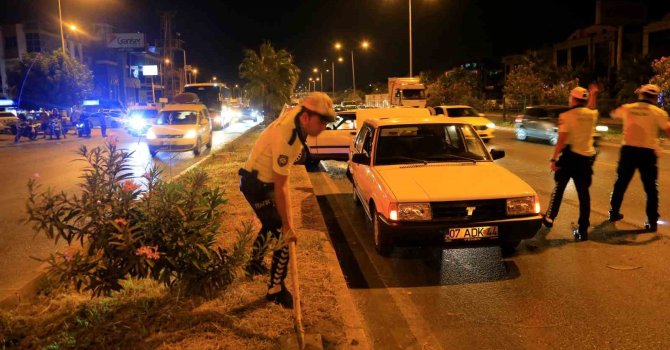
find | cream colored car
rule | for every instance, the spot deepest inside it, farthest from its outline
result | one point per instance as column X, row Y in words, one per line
column 180, row 128
column 424, row 181
column 466, row 114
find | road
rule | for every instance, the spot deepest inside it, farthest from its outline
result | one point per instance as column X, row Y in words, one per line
column 607, row 293
column 52, row 162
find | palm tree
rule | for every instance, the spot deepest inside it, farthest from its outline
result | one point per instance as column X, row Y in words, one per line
column 271, row 77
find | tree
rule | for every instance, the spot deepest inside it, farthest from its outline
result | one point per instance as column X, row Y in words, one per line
column 458, row 86
column 523, row 85
column 50, row 79
column 661, row 67
column 271, row 77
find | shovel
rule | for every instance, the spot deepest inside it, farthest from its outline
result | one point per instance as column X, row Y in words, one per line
column 304, row 341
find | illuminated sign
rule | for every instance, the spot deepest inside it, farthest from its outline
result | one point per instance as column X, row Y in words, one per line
column 91, row 102
column 4, row 102
column 125, row 40
column 150, row 70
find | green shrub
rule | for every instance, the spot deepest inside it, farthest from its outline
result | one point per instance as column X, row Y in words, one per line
column 154, row 229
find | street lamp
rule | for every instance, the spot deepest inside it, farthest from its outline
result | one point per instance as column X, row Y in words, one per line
column 364, row 45
column 317, row 70
column 62, row 37
column 195, row 75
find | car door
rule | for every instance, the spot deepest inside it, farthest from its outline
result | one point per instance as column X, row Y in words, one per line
column 548, row 126
column 362, row 173
column 333, row 143
column 530, row 121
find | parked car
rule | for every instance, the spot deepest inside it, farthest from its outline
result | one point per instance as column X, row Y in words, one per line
column 433, row 182
column 180, row 128
column 8, row 122
column 466, row 114
column 333, row 143
column 248, row 113
column 541, row 122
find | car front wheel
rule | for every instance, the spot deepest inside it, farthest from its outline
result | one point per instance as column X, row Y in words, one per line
column 521, row 134
column 198, row 146
column 383, row 243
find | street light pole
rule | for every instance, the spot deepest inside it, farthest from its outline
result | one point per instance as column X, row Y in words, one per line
column 410, row 38
column 353, row 71
column 333, row 67
column 62, row 37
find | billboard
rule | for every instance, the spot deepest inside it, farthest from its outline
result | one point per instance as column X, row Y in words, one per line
column 125, row 41
column 150, row 70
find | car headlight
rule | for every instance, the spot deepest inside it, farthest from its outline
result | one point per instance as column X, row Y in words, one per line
column 136, row 123
column 491, row 125
column 191, row 134
column 150, row 135
column 602, row 128
column 410, row 212
column 523, row 206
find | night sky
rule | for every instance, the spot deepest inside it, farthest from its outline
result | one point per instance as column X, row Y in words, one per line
column 446, row 32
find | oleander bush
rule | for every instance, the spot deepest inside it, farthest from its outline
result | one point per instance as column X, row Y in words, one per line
column 122, row 227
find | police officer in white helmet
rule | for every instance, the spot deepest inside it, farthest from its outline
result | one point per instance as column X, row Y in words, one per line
column 573, row 157
column 264, row 183
column 642, row 121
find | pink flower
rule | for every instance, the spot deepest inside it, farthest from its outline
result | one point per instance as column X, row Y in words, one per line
column 129, row 186
column 36, row 175
column 67, row 257
column 146, row 175
column 113, row 140
column 121, row 222
column 150, row 253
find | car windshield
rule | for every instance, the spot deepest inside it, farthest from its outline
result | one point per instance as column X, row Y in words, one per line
column 177, row 118
column 429, row 143
column 456, row 112
column 144, row 113
column 413, row 94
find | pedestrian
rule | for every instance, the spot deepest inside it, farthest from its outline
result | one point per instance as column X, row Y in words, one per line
column 20, row 127
column 573, row 157
column 264, row 183
column 103, row 123
column 44, row 124
column 642, row 121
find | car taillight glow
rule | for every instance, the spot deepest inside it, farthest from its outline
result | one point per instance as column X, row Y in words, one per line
column 518, row 119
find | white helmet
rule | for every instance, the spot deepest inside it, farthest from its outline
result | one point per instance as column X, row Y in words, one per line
column 579, row 93
column 649, row 89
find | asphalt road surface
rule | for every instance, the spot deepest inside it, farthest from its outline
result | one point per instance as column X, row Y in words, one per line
column 608, row 293
column 53, row 163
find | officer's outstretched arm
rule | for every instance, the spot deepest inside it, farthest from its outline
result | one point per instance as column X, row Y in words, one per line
column 283, row 201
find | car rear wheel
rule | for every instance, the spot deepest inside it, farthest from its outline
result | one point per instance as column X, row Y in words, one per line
column 383, row 243
column 198, row 145
column 521, row 134
column 209, row 144
column 553, row 140
column 509, row 247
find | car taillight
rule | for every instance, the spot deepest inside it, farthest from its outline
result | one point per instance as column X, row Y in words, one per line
column 518, row 119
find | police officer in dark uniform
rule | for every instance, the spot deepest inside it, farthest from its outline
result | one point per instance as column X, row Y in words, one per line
column 264, row 183
column 641, row 123
column 576, row 128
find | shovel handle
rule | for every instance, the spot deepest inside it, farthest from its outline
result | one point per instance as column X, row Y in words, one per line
column 297, row 311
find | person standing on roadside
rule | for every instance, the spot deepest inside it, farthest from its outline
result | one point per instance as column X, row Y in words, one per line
column 642, row 121
column 103, row 123
column 264, row 183
column 573, row 157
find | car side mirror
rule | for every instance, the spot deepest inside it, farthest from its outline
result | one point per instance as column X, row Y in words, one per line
column 482, row 115
column 497, row 153
column 360, row 158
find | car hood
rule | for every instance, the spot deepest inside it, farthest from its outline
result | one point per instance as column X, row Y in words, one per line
column 172, row 129
column 452, row 182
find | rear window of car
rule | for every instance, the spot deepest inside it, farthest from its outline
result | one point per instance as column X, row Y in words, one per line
column 177, row 118
column 462, row 112
column 7, row 114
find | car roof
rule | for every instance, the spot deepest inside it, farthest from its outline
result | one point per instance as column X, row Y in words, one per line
column 142, row 108
column 548, row 106
column 393, row 112
column 455, row 106
column 413, row 121
column 184, row 107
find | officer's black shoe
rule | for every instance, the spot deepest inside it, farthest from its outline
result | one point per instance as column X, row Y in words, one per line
column 614, row 217
column 650, row 226
column 283, row 298
column 255, row 268
column 580, row 234
column 547, row 222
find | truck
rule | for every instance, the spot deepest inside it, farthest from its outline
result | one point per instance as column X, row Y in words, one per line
column 376, row 100
column 407, row 92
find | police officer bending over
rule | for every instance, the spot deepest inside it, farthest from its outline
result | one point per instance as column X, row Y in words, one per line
column 641, row 123
column 264, row 183
column 576, row 128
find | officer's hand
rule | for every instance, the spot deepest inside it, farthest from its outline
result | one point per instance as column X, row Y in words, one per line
column 289, row 235
column 554, row 167
column 594, row 88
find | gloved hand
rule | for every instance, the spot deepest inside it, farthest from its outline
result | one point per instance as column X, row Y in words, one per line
column 289, row 235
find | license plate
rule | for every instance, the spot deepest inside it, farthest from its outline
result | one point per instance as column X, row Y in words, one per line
column 471, row 233
column 167, row 143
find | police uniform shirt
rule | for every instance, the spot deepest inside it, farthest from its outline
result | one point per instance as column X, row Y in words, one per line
column 579, row 123
column 641, row 121
column 276, row 149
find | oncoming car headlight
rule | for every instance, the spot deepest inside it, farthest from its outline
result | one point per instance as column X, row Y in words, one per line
column 136, row 123
column 191, row 134
column 523, row 206
column 150, row 135
column 491, row 125
column 410, row 211
column 602, row 128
